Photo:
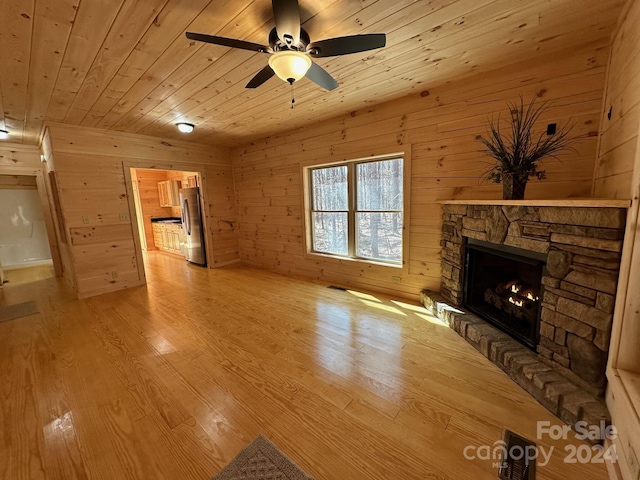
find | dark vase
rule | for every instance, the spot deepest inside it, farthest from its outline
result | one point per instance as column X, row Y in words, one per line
column 513, row 186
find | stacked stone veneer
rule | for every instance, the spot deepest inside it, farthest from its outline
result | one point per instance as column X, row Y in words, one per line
column 583, row 247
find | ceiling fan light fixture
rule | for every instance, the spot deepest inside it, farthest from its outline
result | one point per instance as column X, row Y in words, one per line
column 291, row 49
column 290, row 65
column 4, row 134
column 185, row 127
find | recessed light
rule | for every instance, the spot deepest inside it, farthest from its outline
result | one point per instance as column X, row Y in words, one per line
column 185, row 127
column 4, row 134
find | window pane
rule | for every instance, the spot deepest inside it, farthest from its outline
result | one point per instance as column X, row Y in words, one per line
column 330, row 233
column 330, row 188
column 380, row 185
column 379, row 236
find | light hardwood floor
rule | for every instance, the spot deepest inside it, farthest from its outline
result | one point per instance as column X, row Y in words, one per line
column 171, row 380
column 22, row 276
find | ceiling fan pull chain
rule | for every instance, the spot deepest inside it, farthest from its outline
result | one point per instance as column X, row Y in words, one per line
column 293, row 100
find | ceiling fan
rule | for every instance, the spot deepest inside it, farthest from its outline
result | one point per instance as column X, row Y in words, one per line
column 290, row 48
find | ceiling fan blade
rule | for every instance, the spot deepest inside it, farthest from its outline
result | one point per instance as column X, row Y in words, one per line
column 287, row 16
column 262, row 76
column 332, row 47
column 228, row 42
column 320, row 76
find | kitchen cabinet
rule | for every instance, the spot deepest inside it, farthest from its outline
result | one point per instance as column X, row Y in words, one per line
column 168, row 193
column 167, row 237
column 190, row 182
column 157, row 234
column 175, row 236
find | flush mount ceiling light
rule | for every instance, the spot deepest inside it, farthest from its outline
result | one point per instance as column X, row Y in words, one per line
column 4, row 134
column 185, row 127
column 290, row 65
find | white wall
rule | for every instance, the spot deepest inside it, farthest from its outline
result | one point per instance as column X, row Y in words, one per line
column 23, row 236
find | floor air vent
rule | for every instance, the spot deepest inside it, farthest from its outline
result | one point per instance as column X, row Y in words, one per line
column 335, row 287
column 518, row 458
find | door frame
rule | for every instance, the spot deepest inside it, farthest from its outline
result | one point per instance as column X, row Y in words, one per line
column 127, row 165
column 138, row 204
column 47, row 206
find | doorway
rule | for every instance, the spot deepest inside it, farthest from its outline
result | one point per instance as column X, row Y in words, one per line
column 25, row 247
column 163, row 235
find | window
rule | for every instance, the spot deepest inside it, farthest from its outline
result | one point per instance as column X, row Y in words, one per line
column 356, row 209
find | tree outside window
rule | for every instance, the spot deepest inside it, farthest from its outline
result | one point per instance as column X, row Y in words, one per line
column 357, row 209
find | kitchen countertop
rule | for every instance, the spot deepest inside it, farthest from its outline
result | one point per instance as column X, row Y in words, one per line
column 171, row 220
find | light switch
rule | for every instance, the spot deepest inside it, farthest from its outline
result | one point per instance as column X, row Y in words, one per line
column 85, row 219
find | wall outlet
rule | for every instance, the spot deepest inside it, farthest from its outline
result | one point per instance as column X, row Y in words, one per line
column 124, row 217
column 85, row 219
column 114, row 275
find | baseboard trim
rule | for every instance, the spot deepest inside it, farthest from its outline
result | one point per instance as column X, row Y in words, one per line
column 226, row 264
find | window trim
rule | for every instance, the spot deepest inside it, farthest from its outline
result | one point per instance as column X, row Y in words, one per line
column 308, row 167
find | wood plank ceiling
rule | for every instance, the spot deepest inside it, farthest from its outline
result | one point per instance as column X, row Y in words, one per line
column 126, row 65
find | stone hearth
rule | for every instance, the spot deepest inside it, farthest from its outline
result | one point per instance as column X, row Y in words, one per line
column 582, row 241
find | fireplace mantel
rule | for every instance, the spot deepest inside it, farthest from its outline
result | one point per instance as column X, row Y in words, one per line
column 575, row 202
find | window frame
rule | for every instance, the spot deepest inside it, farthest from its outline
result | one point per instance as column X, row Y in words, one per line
column 352, row 241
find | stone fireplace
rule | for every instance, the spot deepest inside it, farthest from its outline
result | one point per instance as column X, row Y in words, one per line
column 531, row 284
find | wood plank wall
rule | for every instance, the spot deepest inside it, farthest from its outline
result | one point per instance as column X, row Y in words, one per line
column 617, row 175
column 18, row 155
column 619, row 138
column 439, row 126
column 90, row 166
column 17, row 181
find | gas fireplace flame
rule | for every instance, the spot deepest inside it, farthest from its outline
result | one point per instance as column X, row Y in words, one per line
column 517, row 298
column 515, row 301
column 520, row 294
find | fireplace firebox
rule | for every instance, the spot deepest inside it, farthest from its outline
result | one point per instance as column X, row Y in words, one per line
column 503, row 285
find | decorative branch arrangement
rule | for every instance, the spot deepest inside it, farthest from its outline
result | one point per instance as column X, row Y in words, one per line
column 518, row 153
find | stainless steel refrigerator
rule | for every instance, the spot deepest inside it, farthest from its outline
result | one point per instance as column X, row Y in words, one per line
column 192, row 226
